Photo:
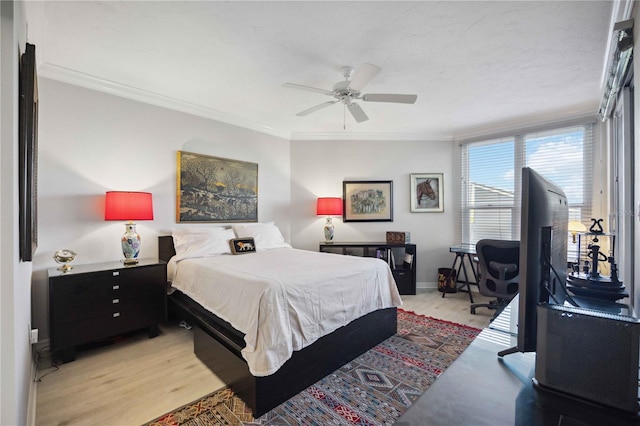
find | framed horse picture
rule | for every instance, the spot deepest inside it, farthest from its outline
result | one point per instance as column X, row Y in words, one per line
column 427, row 193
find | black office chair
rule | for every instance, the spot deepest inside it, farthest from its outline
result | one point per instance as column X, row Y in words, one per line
column 498, row 268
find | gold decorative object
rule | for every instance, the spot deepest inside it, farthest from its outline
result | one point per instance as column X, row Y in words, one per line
column 64, row 257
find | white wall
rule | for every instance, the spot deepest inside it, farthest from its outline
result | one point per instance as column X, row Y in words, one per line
column 319, row 168
column 91, row 142
column 15, row 290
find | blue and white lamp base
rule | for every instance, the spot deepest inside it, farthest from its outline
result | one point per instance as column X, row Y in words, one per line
column 328, row 231
column 130, row 244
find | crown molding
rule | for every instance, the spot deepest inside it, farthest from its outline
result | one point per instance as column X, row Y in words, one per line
column 333, row 136
column 88, row 81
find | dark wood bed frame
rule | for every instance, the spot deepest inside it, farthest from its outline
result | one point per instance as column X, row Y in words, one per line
column 218, row 345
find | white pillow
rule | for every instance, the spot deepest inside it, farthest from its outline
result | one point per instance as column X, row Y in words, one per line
column 201, row 242
column 266, row 236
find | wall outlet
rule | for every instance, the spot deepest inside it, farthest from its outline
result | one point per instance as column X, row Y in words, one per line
column 33, row 336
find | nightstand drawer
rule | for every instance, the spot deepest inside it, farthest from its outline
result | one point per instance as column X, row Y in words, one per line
column 140, row 301
column 85, row 312
column 101, row 327
column 138, row 297
column 77, row 290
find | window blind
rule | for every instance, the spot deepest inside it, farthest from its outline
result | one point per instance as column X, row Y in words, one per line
column 490, row 192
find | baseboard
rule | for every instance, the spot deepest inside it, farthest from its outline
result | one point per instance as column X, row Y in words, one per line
column 33, row 385
column 31, row 407
column 427, row 285
column 33, row 389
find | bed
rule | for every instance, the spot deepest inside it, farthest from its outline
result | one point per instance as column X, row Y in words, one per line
column 224, row 349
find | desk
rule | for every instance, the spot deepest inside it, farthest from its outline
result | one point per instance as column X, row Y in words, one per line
column 462, row 251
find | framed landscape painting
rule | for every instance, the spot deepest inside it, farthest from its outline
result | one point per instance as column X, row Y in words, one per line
column 427, row 193
column 213, row 189
column 368, row 201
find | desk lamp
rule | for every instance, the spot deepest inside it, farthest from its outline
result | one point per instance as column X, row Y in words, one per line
column 124, row 205
column 329, row 206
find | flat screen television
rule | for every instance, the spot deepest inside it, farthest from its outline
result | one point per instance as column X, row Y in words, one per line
column 543, row 253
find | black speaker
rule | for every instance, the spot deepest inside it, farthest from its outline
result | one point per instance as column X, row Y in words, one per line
column 589, row 354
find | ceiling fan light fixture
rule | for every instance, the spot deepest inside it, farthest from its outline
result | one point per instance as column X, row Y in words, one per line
column 347, row 72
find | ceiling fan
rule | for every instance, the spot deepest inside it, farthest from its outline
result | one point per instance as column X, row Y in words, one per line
column 348, row 91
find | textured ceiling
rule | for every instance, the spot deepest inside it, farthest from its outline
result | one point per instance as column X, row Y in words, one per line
column 474, row 65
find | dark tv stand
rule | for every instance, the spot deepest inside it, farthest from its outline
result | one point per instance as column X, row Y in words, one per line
column 514, row 400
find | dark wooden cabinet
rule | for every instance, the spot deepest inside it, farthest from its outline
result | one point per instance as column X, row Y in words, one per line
column 93, row 302
column 400, row 257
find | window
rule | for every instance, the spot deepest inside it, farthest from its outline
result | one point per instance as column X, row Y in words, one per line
column 490, row 178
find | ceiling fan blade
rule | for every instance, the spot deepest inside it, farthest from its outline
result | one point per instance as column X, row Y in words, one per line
column 357, row 112
column 307, row 88
column 315, row 108
column 390, row 97
column 364, row 75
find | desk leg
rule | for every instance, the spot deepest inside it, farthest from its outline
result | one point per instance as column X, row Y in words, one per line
column 473, row 268
column 462, row 267
column 466, row 279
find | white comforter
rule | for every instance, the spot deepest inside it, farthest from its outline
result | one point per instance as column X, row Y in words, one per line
column 285, row 299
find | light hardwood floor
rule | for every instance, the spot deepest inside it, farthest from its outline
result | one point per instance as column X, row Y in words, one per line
column 139, row 379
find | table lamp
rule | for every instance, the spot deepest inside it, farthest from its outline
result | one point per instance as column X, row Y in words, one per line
column 575, row 227
column 329, row 206
column 125, row 205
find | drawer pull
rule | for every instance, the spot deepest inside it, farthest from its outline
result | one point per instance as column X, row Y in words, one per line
column 116, row 287
column 116, row 301
column 116, row 314
column 116, row 273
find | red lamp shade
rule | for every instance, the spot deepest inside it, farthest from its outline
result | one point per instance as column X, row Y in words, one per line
column 329, row 206
column 123, row 205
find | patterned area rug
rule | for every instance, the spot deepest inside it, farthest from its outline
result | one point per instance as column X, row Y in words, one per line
column 374, row 389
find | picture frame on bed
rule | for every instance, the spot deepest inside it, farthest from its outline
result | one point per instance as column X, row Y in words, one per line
column 242, row 245
column 214, row 189
column 367, row 201
column 427, row 193
column 28, row 154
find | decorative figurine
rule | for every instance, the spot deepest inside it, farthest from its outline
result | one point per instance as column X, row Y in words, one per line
column 64, row 257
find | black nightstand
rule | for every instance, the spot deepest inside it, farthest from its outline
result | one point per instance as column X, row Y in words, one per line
column 92, row 302
column 404, row 273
